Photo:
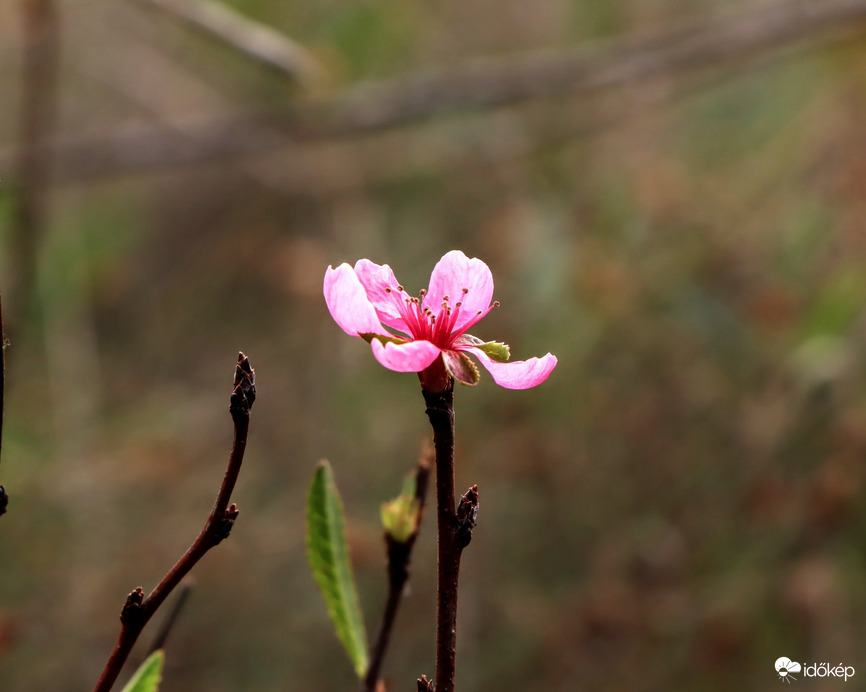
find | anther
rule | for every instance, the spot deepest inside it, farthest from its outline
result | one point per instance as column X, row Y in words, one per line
column 423, row 292
column 387, row 289
column 465, row 291
column 496, row 303
column 459, row 304
column 399, row 287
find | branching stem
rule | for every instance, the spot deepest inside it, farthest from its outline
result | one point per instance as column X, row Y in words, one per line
column 399, row 557
column 138, row 610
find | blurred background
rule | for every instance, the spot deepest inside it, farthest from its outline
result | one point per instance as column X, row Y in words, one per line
column 672, row 198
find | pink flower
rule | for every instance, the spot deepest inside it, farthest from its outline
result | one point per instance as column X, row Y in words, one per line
column 368, row 301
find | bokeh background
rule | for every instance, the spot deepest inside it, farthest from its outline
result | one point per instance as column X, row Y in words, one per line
column 672, row 198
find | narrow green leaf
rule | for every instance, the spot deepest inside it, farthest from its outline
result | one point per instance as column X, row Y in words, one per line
column 329, row 559
column 384, row 339
column 148, row 675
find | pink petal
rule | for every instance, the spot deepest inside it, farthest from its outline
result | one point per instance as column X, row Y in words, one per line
column 375, row 278
column 517, row 375
column 412, row 356
column 348, row 302
column 454, row 272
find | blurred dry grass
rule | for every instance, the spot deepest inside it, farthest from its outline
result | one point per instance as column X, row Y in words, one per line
column 676, row 508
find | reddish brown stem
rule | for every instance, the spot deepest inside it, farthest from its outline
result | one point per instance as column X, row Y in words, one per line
column 138, row 610
column 440, row 411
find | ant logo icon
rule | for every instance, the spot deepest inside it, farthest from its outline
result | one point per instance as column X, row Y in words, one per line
column 785, row 667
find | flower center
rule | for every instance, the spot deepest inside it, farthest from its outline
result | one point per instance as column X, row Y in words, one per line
column 435, row 327
column 425, row 323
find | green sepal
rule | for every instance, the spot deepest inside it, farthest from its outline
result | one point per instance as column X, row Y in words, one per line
column 328, row 554
column 495, row 350
column 461, row 367
column 148, row 675
column 384, row 339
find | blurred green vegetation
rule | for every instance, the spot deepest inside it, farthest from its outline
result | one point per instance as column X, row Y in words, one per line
column 677, row 507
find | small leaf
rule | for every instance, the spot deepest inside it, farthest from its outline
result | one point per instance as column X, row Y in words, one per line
column 148, row 675
column 461, row 368
column 329, row 559
column 496, row 350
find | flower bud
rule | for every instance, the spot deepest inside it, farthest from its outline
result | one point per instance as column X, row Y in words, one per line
column 401, row 516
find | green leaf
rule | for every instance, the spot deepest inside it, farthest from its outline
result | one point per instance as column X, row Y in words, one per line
column 495, row 350
column 329, row 559
column 148, row 675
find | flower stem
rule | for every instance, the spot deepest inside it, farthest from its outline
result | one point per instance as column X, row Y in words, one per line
column 440, row 411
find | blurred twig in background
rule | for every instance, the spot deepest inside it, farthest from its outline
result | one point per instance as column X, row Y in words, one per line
column 32, row 178
column 719, row 43
column 33, row 165
column 249, row 38
column 162, row 636
column 4, row 498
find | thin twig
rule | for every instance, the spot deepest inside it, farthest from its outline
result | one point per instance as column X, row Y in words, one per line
column 138, row 610
column 256, row 41
column 399, row 557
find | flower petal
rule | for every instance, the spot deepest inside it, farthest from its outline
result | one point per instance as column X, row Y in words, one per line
column 521, row 374
column 348, row 303
column 382, row 290
column 413, row 356
column 451, row 275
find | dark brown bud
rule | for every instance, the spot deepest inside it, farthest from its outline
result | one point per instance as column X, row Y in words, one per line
column 425, row 685
column 467, row 516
